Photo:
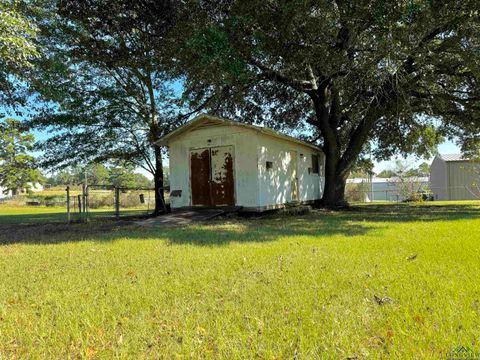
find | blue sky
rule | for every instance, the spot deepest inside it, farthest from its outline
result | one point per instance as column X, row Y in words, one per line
column 445, row 148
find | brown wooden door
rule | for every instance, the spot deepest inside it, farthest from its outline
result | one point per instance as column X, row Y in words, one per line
column 212, row 176
column 222, row 183
column 200, row 177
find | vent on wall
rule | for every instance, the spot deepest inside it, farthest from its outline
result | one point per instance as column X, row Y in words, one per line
column 176, row 193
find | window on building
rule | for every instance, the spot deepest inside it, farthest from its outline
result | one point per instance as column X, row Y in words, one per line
column 315, row 165
column 269, row 165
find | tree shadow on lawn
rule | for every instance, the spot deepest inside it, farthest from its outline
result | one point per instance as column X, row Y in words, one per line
column 354, row 222
column 37, row 218
column 211, row 233
column 262, row 230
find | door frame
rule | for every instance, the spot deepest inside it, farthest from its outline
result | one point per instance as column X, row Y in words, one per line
column 234, row 172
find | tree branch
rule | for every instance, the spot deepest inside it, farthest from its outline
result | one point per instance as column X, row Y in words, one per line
column 269, row 74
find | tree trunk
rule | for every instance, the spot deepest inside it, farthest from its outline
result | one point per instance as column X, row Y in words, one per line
column 335, row 182
column 158, row 181
column 338, row 163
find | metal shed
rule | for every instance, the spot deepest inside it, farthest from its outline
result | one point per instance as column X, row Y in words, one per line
column 454, row 177
column 218, row 162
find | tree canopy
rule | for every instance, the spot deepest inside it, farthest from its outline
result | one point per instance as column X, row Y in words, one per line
column 99, row 174
column 387, row 77
column 404, row 170
column 114, row 98
column 17, row 167
column 17, row 50
column 357, row 78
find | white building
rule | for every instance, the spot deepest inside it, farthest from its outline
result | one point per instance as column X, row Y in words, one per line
column 5, row 194
column 390, row 189
column 33, row 187
column 453, row 177
column 217, row 162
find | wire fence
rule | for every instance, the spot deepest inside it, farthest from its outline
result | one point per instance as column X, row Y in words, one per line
column 423, row 193
column 107, row 201
column 74, row 203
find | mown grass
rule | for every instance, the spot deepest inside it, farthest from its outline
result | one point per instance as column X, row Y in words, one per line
column 15, row 214
column 378, row 281
column 25, row 214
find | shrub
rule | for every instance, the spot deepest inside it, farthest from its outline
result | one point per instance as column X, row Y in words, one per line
column 356, row 192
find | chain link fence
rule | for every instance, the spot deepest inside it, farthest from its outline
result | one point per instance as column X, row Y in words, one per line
column 108, row 201
column 363, row 192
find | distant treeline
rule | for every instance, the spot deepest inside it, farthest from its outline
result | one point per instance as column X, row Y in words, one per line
column 99, row 174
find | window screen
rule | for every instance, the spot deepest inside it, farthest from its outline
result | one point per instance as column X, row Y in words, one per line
column 315, row 166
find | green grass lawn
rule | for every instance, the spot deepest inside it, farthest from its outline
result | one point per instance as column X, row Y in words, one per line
column 14, row 214
column 379, row 281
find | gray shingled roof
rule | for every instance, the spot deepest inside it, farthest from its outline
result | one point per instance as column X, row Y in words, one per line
column 453, row 157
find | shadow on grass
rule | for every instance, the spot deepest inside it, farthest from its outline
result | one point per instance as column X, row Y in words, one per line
column 263, row 230
column 356, row 221
column 214, row 233
column 22, row 219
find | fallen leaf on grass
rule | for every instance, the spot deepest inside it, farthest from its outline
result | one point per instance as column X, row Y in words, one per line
column 90, row 352
column 382, row 300
column 412, row 257
column 419, row 319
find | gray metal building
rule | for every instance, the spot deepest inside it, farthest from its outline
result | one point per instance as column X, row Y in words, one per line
column 453, row 177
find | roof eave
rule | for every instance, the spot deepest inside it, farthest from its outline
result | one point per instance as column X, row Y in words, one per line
column 164, row 141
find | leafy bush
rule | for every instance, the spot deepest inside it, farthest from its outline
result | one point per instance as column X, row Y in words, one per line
column 356, row 192
column 101, row 200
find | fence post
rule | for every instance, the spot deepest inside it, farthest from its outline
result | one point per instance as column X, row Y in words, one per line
column 85, row 202
column 84, row 197
column 68, row 204
column 117, row 202
column 79, row 197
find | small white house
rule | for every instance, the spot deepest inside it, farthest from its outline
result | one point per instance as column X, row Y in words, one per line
column 36, row 187
column 33, row 187
column 4, row 193
column 217, row 162
column 453, row 177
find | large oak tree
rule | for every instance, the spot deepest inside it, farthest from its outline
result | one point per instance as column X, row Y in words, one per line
column 17, row 50
column 106, row 96
column 378, row 75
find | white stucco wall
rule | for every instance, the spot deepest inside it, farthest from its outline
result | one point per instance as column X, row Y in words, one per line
column 245, row 159
column 255, row 187
column 439, row 179
column 275, row 186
